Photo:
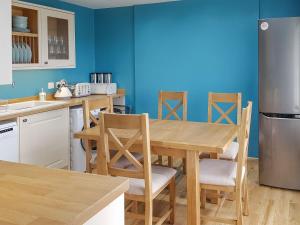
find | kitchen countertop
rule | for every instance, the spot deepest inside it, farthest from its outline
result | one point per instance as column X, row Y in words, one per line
column 31, row 195
column 66, row 103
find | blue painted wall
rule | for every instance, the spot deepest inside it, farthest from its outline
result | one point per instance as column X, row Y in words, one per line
column 193, row 45
column 197, row 46
column 114, row 37
column 279, row 8
column 29, row 82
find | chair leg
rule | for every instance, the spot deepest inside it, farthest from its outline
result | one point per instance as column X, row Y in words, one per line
column 170, row 161
column 148, row 212
column 245, row 198
column 203, row 198
column 135, row 207
column 88, row 156
column 172, row 189
column 239, row 207
column 184, row 166
column 160, row 160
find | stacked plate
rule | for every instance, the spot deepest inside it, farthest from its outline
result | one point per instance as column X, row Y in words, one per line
column 20, row 24
column 21, row 53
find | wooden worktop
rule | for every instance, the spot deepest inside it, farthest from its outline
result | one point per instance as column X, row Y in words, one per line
column 31, row 195
column 65, row 104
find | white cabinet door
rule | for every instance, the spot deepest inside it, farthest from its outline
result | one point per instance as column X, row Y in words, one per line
column 45, row 139
column 5, row 43
column 58, row 39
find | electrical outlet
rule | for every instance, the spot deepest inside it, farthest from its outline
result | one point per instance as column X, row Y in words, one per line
column 51, row 85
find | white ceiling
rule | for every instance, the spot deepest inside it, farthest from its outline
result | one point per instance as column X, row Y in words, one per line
column 99, row 4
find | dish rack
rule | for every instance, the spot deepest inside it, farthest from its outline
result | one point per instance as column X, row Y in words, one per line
column 25, row 44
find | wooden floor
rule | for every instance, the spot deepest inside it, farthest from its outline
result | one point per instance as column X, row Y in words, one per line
column 267, row 206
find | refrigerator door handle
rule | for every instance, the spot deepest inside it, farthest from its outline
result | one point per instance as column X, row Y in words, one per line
column 266, row 116
column 280, row 116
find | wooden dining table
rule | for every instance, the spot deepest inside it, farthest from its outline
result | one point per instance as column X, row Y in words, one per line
column 183, row 139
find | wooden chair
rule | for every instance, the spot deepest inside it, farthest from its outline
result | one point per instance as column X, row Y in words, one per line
column 235, row 99
column 181, row 98
column 104, row 104
column 146, row 181
column 229, row 177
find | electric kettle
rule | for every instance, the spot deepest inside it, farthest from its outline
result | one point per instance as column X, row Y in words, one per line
column 63, row 92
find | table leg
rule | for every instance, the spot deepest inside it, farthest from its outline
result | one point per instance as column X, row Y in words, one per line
column 88, row 155
column 193, row 188
column 101, row 159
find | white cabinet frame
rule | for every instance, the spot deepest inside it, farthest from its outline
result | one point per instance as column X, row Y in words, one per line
column 70, row 63
column 5, row 43
column 32, row 65
column 43, row 13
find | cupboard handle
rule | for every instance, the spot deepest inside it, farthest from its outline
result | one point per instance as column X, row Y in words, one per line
column 46, row 62
column 25, row 120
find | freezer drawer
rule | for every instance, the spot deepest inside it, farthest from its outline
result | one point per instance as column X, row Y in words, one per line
column 279, row 158
column 279, row 67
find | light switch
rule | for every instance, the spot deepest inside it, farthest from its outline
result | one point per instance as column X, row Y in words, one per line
column 51, row 85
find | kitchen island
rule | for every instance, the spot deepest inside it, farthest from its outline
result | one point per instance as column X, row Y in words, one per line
column 31, row 195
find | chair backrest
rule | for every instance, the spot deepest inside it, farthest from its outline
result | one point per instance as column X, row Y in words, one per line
column 104, row 104
column 89, row 106
column 165, row 96
column 244, row 135
column 228, row 98
column 137, row 128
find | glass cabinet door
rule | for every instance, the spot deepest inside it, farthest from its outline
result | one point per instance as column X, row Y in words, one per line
column 60, row 39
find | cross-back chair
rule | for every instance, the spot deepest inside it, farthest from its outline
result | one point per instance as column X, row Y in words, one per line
column 230, row 98
column 235, row 102
column 163, row 102
column 146, row 181
column 180, row 97
column 89, row 117
column 229, row 177
column 91, row 110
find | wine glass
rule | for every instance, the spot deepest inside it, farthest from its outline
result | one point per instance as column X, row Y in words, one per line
column 63, row 46
column 57, row 47
column 51, row 45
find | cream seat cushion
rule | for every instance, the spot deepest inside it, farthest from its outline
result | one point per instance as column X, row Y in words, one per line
column 160, row 177
column 231, row 152
column 218, row 172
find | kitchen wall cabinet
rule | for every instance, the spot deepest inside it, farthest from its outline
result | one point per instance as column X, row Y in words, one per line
column 44, row 139
column 58, row 30
column 5, row 43
column 26, row 46
column 51, row 38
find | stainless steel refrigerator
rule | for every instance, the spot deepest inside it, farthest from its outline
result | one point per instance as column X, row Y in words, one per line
column 279, row 102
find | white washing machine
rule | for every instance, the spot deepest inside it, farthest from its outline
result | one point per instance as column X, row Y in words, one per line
column 77, row 160
column 77, row 150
